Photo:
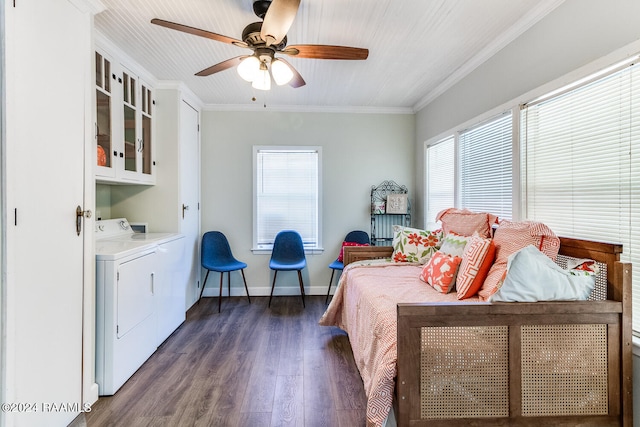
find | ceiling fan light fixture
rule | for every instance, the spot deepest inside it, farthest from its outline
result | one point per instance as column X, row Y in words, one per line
column 249, row 68
column 281, row 72
column 263, row 78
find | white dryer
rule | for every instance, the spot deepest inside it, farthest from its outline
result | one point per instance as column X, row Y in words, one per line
column 140, row 298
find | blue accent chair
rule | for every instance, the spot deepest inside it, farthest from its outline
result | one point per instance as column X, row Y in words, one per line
column 216, row 256
column 287, row 255
column 356, row 236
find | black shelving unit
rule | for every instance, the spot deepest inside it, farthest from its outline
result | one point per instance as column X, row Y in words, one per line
column 382, row 222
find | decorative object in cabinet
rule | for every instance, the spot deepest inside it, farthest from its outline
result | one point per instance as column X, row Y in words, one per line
column 103, row 112
column 124, row 135
column 389, row 206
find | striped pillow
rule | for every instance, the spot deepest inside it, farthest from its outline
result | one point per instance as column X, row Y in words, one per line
column 509, row 238
column 477, row 259
column 466, row 222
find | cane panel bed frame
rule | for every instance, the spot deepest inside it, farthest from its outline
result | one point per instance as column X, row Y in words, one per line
column 545, row 363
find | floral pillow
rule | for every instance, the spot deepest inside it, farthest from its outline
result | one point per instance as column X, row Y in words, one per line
column 583, row 267
column 440, row 272
column 414, row 245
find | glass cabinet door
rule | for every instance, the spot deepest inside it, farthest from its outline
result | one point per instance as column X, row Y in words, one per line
column 145, row 146
column 103, row 111
column 130, row 128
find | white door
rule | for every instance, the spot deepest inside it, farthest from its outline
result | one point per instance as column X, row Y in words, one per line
column 47, row 68
column 190, row 192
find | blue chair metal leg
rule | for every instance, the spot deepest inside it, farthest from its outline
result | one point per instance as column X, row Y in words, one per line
column 220, row 296
column 330, row 283
column 275, row 273
column 245, row 285
column 203, row 285
column 301, row 287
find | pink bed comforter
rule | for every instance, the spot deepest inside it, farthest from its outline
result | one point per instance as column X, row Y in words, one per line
column 364, row 306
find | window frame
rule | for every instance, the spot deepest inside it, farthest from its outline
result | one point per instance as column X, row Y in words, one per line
column 483, row 126
column 451, row 138
column 488, row 117
column 267, row 249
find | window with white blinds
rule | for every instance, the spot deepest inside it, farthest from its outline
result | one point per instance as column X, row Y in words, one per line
column 287, row 194
column 440, row 177
column 581, row 173
column 486, row 167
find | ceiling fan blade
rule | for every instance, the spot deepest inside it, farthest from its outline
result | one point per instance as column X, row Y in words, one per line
column 278, row 20
column 297, row 80
column 221, row 66
column 198, row 32
column 319, row 51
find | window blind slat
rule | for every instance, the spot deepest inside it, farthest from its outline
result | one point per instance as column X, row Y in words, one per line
column 286, row 194
column 580, row 164
column 485, row 167
column 440, row 177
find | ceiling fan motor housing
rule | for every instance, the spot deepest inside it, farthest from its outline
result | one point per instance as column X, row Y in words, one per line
column 251, row 36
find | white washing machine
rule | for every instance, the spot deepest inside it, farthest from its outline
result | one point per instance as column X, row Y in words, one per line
column 140, row 298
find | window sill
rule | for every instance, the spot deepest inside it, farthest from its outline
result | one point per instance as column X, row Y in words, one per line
column 308, row 251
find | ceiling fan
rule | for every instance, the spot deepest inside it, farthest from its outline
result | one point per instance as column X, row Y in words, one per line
column 268, row 38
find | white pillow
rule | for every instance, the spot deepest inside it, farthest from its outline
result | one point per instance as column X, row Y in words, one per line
column 532, row 276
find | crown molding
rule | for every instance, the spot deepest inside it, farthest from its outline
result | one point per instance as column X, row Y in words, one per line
column 309, row 109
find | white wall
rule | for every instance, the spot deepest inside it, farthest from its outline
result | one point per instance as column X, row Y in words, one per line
column 575, row 34
column 359, row 150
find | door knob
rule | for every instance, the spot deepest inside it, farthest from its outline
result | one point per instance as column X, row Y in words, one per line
column 79, row 215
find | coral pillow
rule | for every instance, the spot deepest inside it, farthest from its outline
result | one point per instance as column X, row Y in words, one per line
column 440, row 272
column 477, row 259
column 341, row 254
column 465, row 222
column 509, row 238
column 414, row 245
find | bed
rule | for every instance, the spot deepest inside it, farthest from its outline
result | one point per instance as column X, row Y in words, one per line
column 460, row 363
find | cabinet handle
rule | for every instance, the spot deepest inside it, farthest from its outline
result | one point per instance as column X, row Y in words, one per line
column 152, row 283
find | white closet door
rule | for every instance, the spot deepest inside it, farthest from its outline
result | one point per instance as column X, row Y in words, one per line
column 47, row 70
column 190, row 192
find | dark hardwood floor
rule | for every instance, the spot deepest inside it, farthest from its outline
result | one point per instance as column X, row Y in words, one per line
column 249, row 365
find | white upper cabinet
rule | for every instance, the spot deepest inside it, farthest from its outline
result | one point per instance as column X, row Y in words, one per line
column 124, row 124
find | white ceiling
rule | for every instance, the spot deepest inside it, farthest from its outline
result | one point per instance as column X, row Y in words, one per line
column 417, row 48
